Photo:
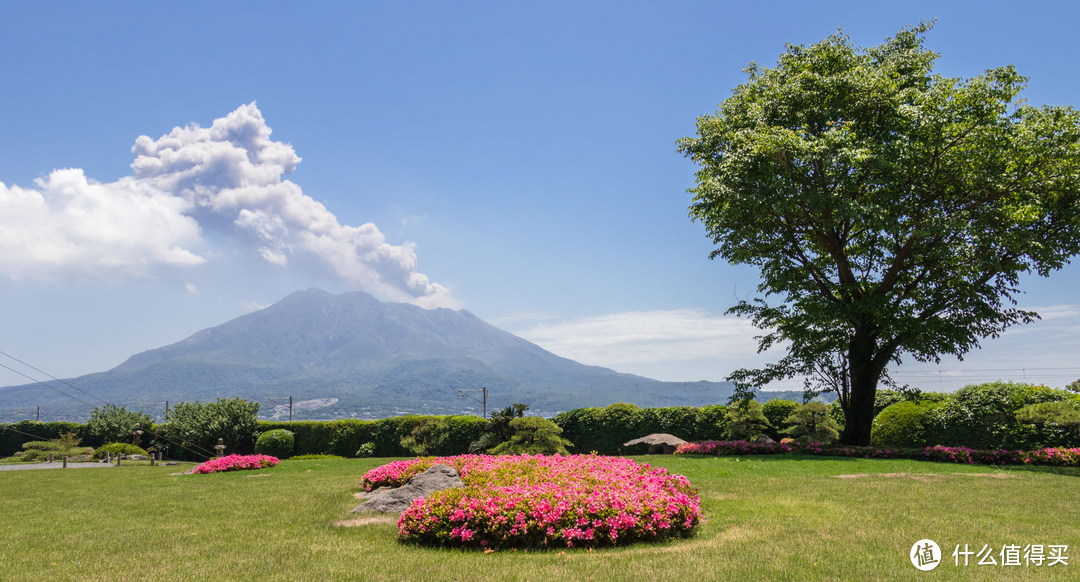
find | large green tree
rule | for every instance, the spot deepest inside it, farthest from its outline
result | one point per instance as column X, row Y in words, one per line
column 889, row 209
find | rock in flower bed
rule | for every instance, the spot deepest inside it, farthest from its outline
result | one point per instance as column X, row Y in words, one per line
column 1060, row 456
column 236, row 463
column 544, row 501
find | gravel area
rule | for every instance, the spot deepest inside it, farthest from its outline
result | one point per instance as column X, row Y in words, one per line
column 53, row 465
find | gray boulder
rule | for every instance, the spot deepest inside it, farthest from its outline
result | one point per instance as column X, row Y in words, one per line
column 397, row 500
column 659, row 444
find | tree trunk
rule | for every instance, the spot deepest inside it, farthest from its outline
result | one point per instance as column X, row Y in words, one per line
column 865, row 373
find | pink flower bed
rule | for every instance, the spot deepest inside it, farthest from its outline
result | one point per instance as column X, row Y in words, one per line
column 537, row 501
column 236, row 463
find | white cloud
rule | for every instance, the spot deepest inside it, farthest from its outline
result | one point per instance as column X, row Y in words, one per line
column 647, row 337
column 520, row 317
column 72, row 227
column 250, row 306
column 1052, row 312
column 192, row 178
column 191, row 289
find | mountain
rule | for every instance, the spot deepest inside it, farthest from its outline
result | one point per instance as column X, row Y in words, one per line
column 376, row 359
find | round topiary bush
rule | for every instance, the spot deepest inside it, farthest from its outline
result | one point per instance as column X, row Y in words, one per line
column 119, row 449
column 276, row 443
column 903, row 424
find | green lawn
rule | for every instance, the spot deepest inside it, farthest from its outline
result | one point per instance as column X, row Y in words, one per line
column 766, row 518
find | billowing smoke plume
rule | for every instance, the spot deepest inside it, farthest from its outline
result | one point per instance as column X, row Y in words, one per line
column 227, row 175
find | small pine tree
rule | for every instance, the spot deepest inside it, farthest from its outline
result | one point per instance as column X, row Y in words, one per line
column 533, row 435
column 745, row 422
column 811, row 424
column 1065, row 413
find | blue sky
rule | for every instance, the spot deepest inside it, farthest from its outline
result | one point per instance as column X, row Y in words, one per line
column 518, row 162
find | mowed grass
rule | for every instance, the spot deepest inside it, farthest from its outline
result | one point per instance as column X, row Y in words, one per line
column 766, row 518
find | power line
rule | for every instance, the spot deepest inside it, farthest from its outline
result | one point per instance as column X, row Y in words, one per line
column 47, row 386
column 25, row 433
column 207, row 454
column 49, row 375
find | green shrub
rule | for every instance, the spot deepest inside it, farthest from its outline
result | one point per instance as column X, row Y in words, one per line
column 836, row 412
column 366, row 450
column 606, row 429
column 533, row 435
column 42, row 450
column 114, row 424
column 983, row 416
column 314, row 457
column 428, row 437
column 811, row 424
column 885, row 397
column 119, row 449
column 903, row 425
column 199, row 425
column 44, row 446
column 1050, row 416
column 498, row 429
column 745, row 422
column 276, row 443
column 11, row 440
column 68, row 439
column 776, row 411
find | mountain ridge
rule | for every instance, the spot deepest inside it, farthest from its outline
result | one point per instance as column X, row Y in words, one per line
column 376, row 358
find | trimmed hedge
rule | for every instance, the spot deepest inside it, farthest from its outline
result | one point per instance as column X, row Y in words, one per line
column 980, row 416
column 11, row 442
column 604, row 430
column 984, row 417
column 345, row 437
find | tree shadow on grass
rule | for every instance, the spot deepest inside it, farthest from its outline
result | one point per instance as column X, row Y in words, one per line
column 775, row 458
column 1065, row 471
column 1049, row 469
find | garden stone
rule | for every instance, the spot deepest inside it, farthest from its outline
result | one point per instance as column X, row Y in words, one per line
column 398, row 499
column 659, row 443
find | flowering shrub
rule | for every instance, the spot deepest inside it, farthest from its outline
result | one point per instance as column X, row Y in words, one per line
column 1049, row 456
column 236, row 463
column 529, row 501
column 1054, row 456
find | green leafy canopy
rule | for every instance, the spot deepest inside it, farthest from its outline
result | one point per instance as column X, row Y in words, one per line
column 889, row 209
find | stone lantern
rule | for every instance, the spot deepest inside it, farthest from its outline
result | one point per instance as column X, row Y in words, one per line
column 136, row 435
column 220, row 447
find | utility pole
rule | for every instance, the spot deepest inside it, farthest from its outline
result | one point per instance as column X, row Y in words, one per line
column 483, row 400
column 274, row 400
column 39, row 413
column 166, row 403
